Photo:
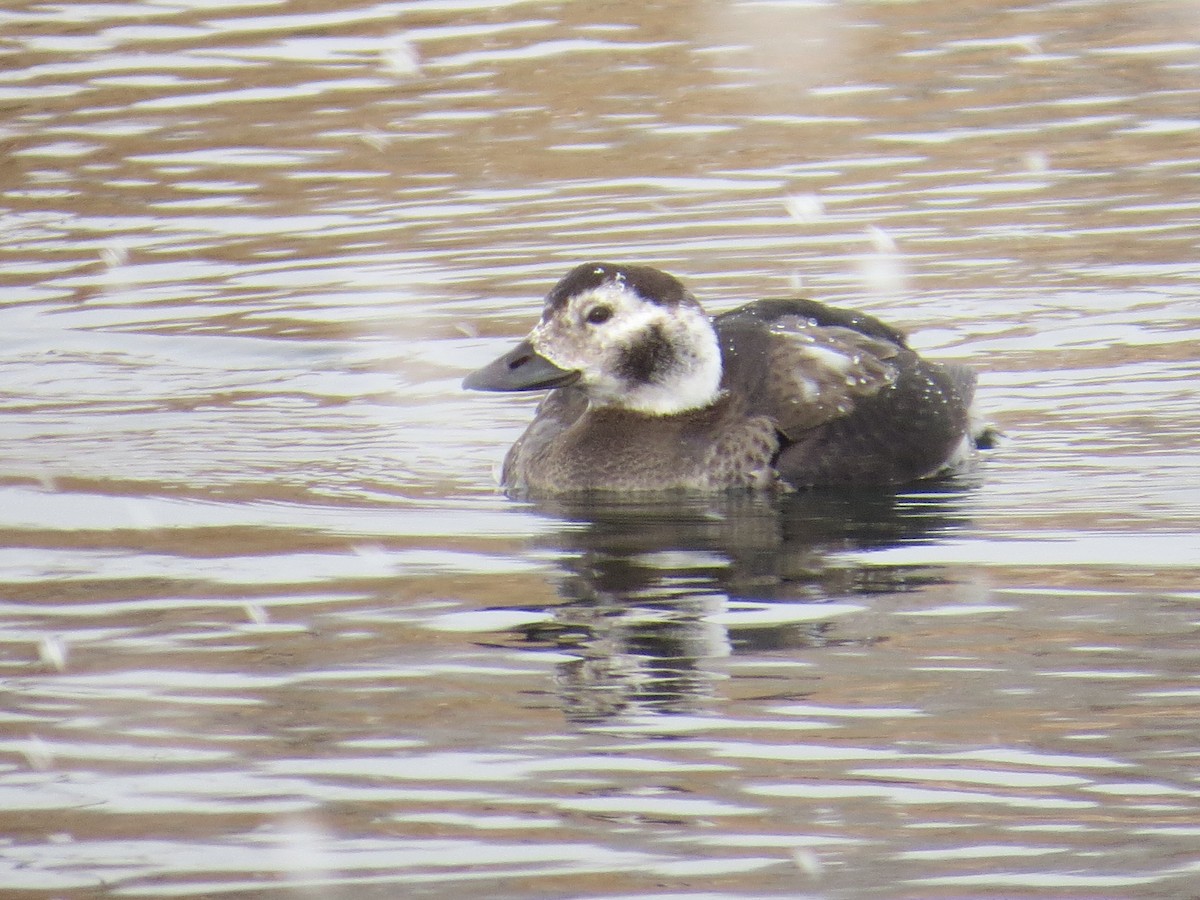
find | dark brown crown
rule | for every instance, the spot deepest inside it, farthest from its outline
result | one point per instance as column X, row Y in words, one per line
column 649, row 284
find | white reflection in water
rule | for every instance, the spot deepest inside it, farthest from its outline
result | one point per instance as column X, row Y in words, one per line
column 657, row 806
column 904, row 795
column 1127, row 550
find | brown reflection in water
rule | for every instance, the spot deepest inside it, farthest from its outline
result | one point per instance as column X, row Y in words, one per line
column 646, row 587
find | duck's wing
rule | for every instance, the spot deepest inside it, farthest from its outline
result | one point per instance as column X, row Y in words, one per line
column 851, row 402
column 803, row 363
column 766, row 312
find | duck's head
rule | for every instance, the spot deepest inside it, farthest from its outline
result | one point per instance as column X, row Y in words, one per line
column 628, row 336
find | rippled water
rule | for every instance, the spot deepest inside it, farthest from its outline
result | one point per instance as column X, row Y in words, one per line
column 268, row 627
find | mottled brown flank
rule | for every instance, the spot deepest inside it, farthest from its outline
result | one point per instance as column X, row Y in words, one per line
column 649, row 284
column 741, row 455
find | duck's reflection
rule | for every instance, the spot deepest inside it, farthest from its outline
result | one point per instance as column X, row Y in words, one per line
column 652, row 591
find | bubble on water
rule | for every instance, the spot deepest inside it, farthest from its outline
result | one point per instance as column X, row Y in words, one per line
column 805, row 207
column 256, row 614
column 880, row 239
column 807, row 862
column 52, row 651
column 882, row 268
column 399, row 57
column 1036, row 162
column 376, row 554
column 37, row 754
column 114, row 254
column 301, row 851
column 1030, row 43
column 377, row 140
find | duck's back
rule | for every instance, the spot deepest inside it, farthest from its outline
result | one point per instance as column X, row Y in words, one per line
column 853, row 405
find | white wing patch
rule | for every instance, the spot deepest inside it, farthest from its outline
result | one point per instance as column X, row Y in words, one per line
column 819, row 372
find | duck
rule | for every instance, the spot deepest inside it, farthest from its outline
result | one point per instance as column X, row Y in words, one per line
column 647, row 393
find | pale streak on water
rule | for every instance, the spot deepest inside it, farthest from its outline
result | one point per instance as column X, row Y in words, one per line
column 268, row 628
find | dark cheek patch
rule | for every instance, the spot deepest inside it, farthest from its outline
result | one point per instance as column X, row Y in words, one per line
column 646, row 360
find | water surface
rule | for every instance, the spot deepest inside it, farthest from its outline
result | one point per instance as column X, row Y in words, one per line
column 270, row 629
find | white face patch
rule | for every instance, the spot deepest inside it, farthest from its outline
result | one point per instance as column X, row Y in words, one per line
column 633, row 353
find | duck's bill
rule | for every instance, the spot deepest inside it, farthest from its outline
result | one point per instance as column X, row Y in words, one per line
column 520, row 369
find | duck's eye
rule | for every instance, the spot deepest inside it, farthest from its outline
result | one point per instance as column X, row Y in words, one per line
column 598, row 315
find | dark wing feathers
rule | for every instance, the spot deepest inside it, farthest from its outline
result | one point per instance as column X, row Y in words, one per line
column 851, row 402
column 912, row 429
column 762, row 312
column 818, row 373
column 802, row 363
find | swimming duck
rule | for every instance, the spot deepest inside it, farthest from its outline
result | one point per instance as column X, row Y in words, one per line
column 647, row 393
